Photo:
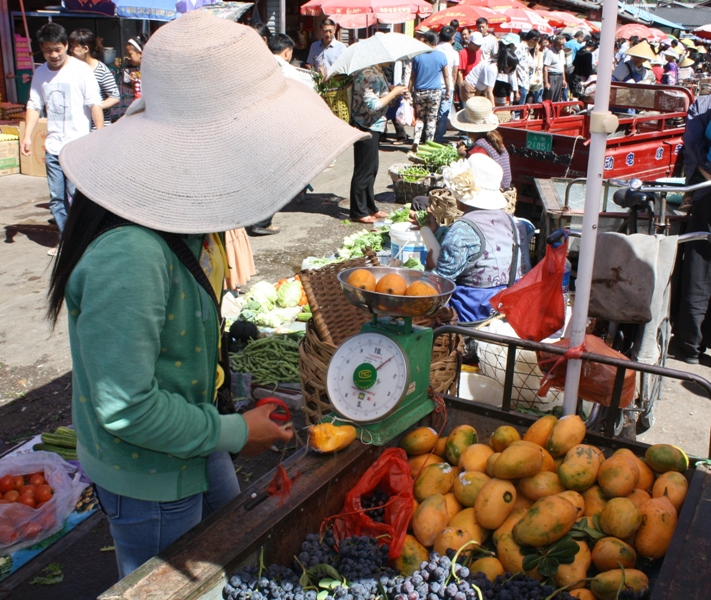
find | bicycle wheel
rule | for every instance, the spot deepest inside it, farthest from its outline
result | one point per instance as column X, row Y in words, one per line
column 652, row 384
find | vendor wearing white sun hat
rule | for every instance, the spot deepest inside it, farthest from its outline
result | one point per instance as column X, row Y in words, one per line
column 141, row 267
column 480, row 251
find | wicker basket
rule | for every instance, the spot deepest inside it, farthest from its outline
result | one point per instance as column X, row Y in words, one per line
column 406, row 191
column 339, row 101
column 335, row 319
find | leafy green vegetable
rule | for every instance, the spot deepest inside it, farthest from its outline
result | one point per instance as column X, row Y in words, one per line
column 401, row 215
column 264, row 293
column 437, row 155
column 52, row 574
column 414, row 173
column 413, row 263
column 289, row 294
column 355, row 245
column 250, row 311
column 421, row 217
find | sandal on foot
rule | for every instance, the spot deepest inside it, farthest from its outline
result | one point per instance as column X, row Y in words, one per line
column 367, row 220
column 379, row 215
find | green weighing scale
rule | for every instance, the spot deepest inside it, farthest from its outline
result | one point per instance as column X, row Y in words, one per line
column 378, row 379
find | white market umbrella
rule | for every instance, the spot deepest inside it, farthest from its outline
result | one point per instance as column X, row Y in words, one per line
column 381, row 48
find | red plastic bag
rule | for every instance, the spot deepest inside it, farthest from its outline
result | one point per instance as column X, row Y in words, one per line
column 596, row 380
column 534, row 305
column 390, row 474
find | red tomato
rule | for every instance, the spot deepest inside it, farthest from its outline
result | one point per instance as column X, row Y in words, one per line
column 19, row 482
column 43, row 494
column 37, row 480
column 28, row 489
column 28, row 500
column 11, row 496
column 41, row 504
column 30, row 531
column 8, row 534
column 7, row 483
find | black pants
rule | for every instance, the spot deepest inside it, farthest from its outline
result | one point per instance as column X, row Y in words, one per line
column 693, row 327
column 556, row 90
column 365, row 170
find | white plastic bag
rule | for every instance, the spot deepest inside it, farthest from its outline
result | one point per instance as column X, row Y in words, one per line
column 22, row 526
column 405, row 114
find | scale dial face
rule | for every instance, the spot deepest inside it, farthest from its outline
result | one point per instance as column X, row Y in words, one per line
column 367, row 377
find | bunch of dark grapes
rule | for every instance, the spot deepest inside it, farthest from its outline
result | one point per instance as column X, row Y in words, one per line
column 364, row 565
column 362, row 558
column 374, row 503
column 276, row 583
column 315, row 551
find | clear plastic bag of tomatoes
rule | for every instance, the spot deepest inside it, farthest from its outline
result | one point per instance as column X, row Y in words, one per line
column 390, row 477
column 21, row 524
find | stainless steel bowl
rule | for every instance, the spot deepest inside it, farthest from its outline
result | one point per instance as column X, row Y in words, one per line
column 398, row 306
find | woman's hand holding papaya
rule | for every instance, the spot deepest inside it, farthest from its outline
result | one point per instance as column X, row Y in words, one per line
column 263, row 432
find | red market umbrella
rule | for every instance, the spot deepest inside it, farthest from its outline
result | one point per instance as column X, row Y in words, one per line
column 703, row 32
column 525, row 20
column 467, row 16
column 559, row 18
column 627, row 31
column 497, row 5
column 385, row 11
column 657, row 35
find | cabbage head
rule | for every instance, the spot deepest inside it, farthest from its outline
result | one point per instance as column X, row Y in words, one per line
column 264, row 293
column 289, row 294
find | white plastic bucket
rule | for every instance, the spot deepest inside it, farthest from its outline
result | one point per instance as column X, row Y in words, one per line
column 482, row 389
column 406, row 243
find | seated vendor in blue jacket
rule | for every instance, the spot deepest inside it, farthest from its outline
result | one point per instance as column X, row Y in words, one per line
column 480, row 250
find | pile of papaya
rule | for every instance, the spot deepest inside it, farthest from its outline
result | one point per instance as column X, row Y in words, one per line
column 544, row 504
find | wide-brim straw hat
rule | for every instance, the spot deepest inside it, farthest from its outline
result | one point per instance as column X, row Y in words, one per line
column 219, row 139
column 701, row 50
column 641, row 50
column 687, row 62
column 477, row 116
column 487, row 178
column 687, row 42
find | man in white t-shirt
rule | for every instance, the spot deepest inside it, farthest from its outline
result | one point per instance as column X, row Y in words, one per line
column 66, row 89
column 490, row 45
column 554, row 70
column 446, row 37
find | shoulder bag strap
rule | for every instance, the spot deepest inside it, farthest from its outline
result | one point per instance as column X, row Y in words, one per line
column 514, row 252
column 185, row 255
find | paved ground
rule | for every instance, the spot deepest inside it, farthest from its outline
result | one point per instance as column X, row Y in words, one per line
column 35, row 364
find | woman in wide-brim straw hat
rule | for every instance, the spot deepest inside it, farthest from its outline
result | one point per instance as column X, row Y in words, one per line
column 209, row 147
column 633, row 70
column 478, row 120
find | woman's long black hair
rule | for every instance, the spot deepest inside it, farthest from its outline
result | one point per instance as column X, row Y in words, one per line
column 81, row 228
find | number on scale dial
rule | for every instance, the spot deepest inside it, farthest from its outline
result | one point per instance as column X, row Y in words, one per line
column 367, row 377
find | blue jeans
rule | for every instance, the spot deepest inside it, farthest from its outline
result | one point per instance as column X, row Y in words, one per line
column 142, row 529
column 443, row 118
column 61, row 190
column 523, row 95
column 538, row 96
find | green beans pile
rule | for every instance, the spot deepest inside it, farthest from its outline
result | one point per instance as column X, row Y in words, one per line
column 270, row 360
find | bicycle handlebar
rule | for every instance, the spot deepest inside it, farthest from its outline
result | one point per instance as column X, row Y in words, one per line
column 639, row 186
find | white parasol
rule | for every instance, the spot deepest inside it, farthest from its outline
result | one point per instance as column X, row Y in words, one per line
column 381, row 48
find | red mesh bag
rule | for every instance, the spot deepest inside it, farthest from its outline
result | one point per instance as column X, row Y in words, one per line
column 391, row 475
column 596, row 380
column 534, row 305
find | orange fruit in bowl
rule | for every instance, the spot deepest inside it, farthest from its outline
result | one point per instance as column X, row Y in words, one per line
column 421, row 288
column 362, row 279
column 393, row 284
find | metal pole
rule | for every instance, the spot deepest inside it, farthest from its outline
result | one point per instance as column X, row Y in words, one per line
column 282, row 16
column 602, row 122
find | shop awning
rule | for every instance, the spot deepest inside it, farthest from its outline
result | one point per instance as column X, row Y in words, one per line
column 647, row 16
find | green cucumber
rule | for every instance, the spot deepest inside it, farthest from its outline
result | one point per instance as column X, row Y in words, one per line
column 65, row 453
column 63, row 441
column 66, row 431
